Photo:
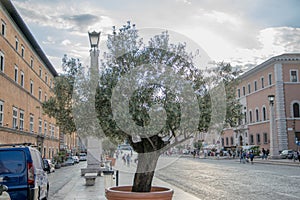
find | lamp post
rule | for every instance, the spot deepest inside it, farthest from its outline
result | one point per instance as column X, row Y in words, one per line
column 94, row 144
column 274, row 150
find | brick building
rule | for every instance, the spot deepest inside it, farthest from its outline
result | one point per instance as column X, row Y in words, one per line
column 26, row 79
column 277, row 76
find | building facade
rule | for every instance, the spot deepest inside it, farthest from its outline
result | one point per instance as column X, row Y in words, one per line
column 26, row 80
column 271, row 126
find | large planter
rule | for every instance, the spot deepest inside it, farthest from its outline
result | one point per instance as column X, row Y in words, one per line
column 124, row 193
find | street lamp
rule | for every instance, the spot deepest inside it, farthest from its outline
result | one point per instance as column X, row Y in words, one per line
column 94, row 39
column 93, row 144
column 274, row 150
column 271, row 98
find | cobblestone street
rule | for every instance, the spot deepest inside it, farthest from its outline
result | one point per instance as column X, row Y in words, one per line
column 228, row 179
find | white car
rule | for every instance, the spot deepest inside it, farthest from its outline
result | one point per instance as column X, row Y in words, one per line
column 76, row 159
column 82, row 157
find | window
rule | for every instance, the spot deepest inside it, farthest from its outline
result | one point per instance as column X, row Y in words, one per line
column 250, row 116
column 262, row 82
column 15, row 118
column 1, row 113
column 45, row 128
column 53, row 131
column 31, row 86
column 294, row 77
column 17, row 44
column 251, row 139
column 40, row 72
column 296, row 110
column 50, row 83
column 257, row 138
column 244, row 90
column 40, row 94
column 249, row 88
column 255, row 85
column 239, row 93
column 45, row 97
column 245, row 117
column 21, row 120
column 22, row 79
column 3, row 28
column 1, row 61
column 227, row 143
column 264, row 114
column 40, row 125
column 231, row 141
column 31, row 62
column 31, row 123
column 270, row 79
column 16, row 73
column 46, row 78
column 22, row 51
column 257, row 115
column 265, row 138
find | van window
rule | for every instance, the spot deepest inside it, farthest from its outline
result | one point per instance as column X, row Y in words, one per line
column 36, row 159
column 12, row 162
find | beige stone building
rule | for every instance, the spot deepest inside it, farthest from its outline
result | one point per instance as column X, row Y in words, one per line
column 278, row 76
column 26, row 79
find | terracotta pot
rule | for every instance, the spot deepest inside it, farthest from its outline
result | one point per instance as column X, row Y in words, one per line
column 113, row 161
column 124, row 193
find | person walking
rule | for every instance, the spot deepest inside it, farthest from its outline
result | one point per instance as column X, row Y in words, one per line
column 243, row 157
column 263, row 153
column 295, row 156
column 251, row 156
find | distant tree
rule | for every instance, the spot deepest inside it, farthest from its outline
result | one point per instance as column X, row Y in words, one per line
column 59, row 106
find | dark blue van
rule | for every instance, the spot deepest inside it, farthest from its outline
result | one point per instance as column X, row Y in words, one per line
column 22, row 171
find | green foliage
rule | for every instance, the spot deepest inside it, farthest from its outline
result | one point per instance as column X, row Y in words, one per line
column 59, row 106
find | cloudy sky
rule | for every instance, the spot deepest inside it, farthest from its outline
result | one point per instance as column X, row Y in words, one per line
column 244, row 33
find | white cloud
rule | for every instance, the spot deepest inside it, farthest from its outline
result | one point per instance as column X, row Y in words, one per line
column 66, row 42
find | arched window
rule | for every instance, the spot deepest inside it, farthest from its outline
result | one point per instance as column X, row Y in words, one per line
column 257, row 115
column 264, row 114
column 296, row 110
column 250, row 116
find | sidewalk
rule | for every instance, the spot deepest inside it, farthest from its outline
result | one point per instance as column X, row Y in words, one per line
column 77, row 190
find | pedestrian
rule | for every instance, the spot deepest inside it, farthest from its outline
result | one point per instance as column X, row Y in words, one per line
column 205, row 153
column 194, row 153
column 242, row 157
column 295, row 156
column 124, row 158
column 267, row 154
column 251, row 157
column 263, row 153
column 128, row 159
column 298, row 155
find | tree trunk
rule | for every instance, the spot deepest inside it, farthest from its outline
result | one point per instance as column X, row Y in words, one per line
column 145, row 171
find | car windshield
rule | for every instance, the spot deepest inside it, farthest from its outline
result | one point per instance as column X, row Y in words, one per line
column 12, row 162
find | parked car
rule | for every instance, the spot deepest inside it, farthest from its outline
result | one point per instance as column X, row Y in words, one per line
column 82, row 157
column 76, row 159
column 287, row 154
column 22, row 171
column 49, row 166
column 69, row 161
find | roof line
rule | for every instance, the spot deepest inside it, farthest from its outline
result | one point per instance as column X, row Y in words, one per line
column 282, row 57
column 28, row 35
